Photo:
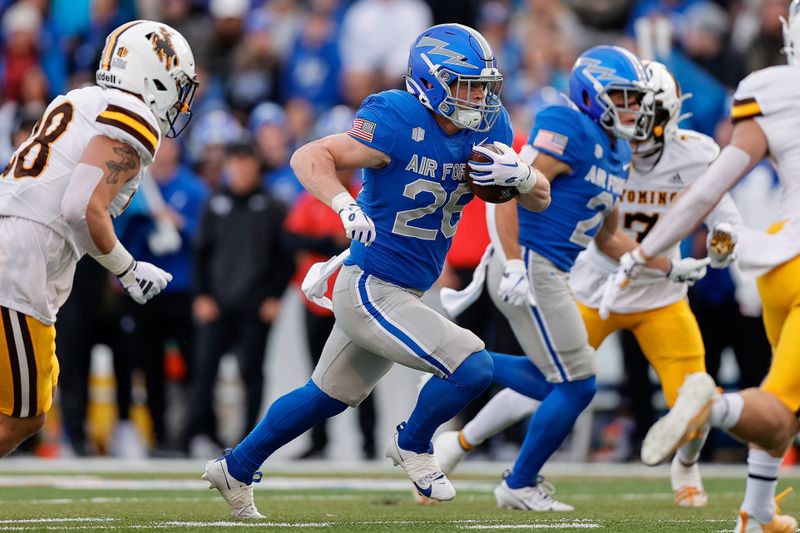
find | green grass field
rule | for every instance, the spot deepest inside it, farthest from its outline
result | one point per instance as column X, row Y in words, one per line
column 350, row 502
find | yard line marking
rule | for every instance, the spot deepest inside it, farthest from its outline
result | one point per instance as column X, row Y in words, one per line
column 32, row 525
column 268, row 483
column 52, row 520
column 178, row 523
column 555, row 525
column 182, row 499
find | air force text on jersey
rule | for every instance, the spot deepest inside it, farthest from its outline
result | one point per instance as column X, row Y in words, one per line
column 602, row 178
column 427, row 167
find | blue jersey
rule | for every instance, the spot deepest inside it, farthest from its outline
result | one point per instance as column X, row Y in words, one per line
column 417, row 199
column 581, row 199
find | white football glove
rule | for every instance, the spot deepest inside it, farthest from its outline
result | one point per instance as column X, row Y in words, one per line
column 514, row 287
column 505, row 168
column 721, row 245
column 357, row 225
column 630, row 264
column 143, row 281
column 688, row 270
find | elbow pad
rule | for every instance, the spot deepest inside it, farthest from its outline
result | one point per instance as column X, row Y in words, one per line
column 75, row 202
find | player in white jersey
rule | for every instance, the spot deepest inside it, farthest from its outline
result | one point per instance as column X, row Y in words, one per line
column 654, row 308
column 766, row 115
column 79, row 168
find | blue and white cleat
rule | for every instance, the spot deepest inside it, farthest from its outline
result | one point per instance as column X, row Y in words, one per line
column 238, row 495
column 538, row 497
column 422, row 470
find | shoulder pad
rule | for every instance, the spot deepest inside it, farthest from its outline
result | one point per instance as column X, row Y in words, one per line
column 692, row 147
column 765, row 92
column 127, row 119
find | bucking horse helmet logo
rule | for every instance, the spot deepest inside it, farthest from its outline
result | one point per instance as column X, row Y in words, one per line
column 162, row 46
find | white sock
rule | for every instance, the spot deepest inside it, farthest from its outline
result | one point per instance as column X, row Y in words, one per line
column 505, row 409
column 762, row 478
column 690, row 452
column 726, row 410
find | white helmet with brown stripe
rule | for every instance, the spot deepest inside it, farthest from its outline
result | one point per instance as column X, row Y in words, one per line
column 153, row 61
column 668, row 99
column 791, row 34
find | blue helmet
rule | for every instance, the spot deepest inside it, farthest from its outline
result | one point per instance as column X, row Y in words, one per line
column 602, row 70
column 445, row 63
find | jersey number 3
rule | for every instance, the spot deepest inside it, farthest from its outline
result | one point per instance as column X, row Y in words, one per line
column 32, row 157
column 451, row 208
column 644, row 223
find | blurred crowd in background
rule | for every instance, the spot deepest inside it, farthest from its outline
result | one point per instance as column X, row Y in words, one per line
column 228, row 218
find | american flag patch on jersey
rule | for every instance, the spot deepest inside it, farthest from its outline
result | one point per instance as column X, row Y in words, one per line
column 548, row 140
column 363, row 129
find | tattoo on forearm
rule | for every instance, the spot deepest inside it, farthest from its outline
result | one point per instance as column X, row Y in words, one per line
column 127, row 161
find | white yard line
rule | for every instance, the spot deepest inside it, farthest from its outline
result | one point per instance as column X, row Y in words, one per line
column 13, row 465
column 559, row 525
column 268, row 483
column 92, row 523
column 56, row 520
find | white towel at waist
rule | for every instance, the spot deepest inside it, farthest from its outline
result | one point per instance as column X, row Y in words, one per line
column 453, row 301
column 315, row 284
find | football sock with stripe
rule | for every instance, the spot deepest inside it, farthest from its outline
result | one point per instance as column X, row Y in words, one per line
column 288, row 417
column 762, row 478
column 550, row 425
column 504, row 409
column 726, row 410
column 442, row 399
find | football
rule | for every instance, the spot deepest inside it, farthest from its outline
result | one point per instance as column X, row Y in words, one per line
column 494, row 194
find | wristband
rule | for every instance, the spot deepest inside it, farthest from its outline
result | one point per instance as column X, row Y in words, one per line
column 341, row 200
column 118, row 261
column 515, row 265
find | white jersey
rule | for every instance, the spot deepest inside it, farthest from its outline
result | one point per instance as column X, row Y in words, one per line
column 649, row 193
column 769, row 97
column 32, row 187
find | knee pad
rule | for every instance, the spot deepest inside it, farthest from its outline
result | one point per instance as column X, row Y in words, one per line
column 475, row 371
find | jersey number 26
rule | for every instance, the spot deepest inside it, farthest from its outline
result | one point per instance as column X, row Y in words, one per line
column 402, row 221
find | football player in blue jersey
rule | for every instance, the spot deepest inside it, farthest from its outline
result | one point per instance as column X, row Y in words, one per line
column 413, row 146
column 582, row 149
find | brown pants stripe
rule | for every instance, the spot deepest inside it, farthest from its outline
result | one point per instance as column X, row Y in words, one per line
column 14, row 359
column 31, row 357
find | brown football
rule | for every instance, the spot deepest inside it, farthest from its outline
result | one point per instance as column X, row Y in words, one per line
column 494, row 194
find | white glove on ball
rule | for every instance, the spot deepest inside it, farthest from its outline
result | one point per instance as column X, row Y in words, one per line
column 504, row 168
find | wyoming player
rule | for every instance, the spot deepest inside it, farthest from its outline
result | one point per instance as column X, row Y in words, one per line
column 654, row 308
column 79, row 168
column 766, row 117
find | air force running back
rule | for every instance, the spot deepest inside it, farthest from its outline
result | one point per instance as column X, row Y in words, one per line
column 412, row 146
column 417, row 199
